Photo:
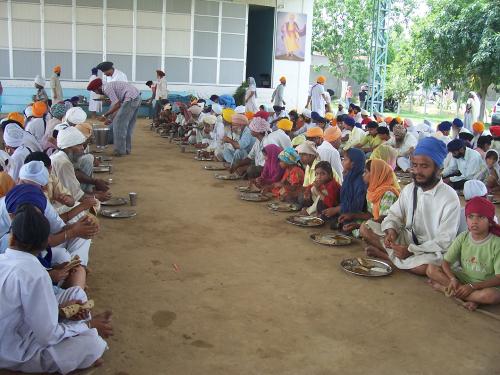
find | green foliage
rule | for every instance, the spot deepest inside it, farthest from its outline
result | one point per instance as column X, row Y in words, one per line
column 239, row 94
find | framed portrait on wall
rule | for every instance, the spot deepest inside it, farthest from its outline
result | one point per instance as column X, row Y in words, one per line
column 290, row 36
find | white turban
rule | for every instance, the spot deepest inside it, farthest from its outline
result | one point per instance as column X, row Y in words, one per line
column 307, row 147
column 70, row 137
column 4, row 159
column 209, row 119
column 36, row 172
column 364, row 112
column 240, row 109
column 40, row 81
column 195, row 109
column 217, row 108
column 474, row 188
column 28, row 111
column 306, row 113
column 76, row 115
column 61, row 126
column 13, row 135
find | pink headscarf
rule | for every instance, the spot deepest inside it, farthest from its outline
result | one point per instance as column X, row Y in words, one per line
column 259, row 125
column 272, row 171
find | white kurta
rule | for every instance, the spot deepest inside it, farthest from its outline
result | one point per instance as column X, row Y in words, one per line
column 36, row 126
column 404, row 150
column 94, row 105
column 317, row 99
column 469, row 166
column 33, row 340
column 64, row 170
column 251, row 104
column 161, row 89
column 279, row 138
column 330, row 154
column 118, row 75
column 435, row 224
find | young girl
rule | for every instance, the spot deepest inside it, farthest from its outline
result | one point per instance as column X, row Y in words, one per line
column 477, row 281
column 272, row 171
column 490, row 172
column 353, row 192
column 324, row 192
column 290, row 187
column 35, row 337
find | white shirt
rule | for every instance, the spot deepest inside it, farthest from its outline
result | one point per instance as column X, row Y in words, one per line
column 468, row 166
column 29, row 319
column 36, row 126
column 435, row 223
column 355, row 137
column 118, row 75
column 317, row 100
column 161, row 89
column 276, row 138
column 63, row 169
column 278, row 95
column 279, row 138
column 55, row 221
column 17, row 160
column 409, row 142
column 330, row 154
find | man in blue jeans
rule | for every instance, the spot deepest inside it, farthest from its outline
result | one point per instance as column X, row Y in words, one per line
column 125, row 102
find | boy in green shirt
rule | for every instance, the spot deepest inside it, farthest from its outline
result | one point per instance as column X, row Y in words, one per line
column 477, row 250
column 370, row 140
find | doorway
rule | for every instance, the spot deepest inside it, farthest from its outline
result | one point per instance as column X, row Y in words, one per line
column 260, row 44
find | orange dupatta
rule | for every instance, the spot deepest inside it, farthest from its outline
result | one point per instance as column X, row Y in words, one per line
column 382, row 180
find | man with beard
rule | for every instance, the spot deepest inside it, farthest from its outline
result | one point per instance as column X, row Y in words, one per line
column 70, row 143
column 404, row 143
column 423, row 222
column 465, row 164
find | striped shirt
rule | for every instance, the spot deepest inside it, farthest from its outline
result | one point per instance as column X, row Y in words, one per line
column 119, row 91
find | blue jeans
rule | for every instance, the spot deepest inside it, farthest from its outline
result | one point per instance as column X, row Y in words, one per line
column 124, row 124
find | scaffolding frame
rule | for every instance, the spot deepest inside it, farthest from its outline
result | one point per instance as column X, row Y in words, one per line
column 378, row 55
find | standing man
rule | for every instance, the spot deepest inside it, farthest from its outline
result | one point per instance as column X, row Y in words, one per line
column 279, row 94
column 125, row 102
column 317, row 97
column 110, row 73
column 55, row 85
column 41, row 94
column 161, row 94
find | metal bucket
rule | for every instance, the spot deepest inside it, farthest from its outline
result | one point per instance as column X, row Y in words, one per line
column 101, row 136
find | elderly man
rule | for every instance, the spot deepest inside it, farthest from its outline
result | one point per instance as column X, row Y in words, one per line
column 465, row 164
column 423, row 222
column 41, row 94
column 70, row 143
column 278, row 97
column 326, row 151
column 333, row 136
column 125, row 102
column 309, row 157
column 317, row 98
column 404, row 143
column 55, row 85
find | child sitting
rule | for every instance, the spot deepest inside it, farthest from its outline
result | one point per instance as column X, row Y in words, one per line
column 324, row 192
column 272, row 171
column 289, row 189
column 491, row 174
column 477, row 281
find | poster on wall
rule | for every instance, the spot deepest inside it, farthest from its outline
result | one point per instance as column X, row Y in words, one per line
column 290, row 36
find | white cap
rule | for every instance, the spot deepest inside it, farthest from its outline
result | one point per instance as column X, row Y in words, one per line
column 76, row 115
column 474, row 188
column 306, row 113
column 36, row 172
column 40, row 81
column 70, row 137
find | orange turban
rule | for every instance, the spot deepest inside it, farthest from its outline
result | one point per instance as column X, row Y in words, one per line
column 387, row 120
column 321, row 79
column 39, row 109
column 314, row 132
column 332, row 134
column 249, row 115
column 282, row 79
column 16, row 116
column 57, row 69
column 478, row 127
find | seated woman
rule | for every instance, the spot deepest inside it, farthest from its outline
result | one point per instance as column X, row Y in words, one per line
column 272, row 171
column 324, row 193
column 477, row 250
column 35, row 336
column 353, row 191
column 289, row 189
column 490, row 173
column 383, row 191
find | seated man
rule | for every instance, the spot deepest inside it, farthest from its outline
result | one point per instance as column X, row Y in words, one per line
column 465, row 164
column 423, row 222
column 238, row 147
column 404, row 143
column 35, row 335
column 326, row 151
column 351, row 135
column 477, row 251
column 70, row 143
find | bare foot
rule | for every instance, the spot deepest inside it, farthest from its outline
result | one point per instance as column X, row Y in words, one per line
column 373, row 252
column 102, row 322
column 471, row 306
column 98, row 363
column 436, row 286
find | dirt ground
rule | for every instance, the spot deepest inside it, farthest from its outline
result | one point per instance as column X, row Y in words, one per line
column 252, row 294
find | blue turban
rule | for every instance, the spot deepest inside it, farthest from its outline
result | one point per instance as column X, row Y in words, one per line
column 25, row 193
column 458, row 123
column 315, row 116
column 349, row 121
column 432, row 148
column 456, row 145
column 358, row 125
column 445, row 126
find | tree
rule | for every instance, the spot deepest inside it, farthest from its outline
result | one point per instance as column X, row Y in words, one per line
column 458, row 45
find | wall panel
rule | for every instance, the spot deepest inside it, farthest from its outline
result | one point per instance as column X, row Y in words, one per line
column 26, row 34
column 204, row 71
column 146, row 67
column 148, row 41
column 4, row 63
column 89, row 38
column 58, row 58
column 119, row 39
column 177, row 69
column 27, row 64
column 58, row 36
column 231, row 72
column 85, row 62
